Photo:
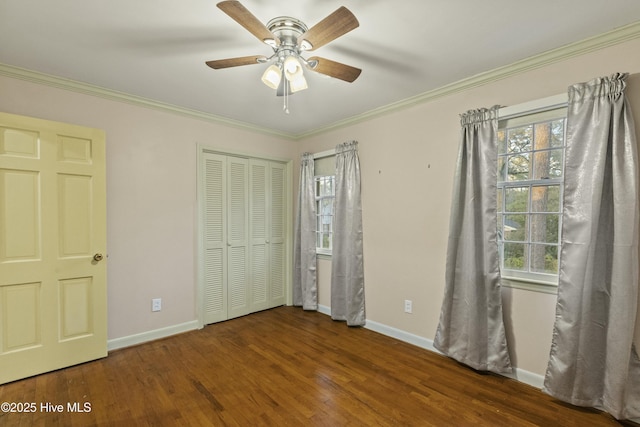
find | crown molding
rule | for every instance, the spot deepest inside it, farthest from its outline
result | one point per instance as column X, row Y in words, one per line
column 616, row 36
column 113, row 95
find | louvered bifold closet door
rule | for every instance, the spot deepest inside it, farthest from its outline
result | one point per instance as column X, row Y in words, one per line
column 277, row 233
column 215, row 238
column 259, row 229
column 238, row 238
column 245, row 236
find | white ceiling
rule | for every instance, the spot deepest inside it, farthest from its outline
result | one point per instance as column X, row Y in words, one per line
column 156, row 49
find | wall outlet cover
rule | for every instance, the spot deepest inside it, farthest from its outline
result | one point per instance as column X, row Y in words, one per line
column 408, row 306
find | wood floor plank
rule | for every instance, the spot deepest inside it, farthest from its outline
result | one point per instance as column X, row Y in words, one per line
column 285, row 367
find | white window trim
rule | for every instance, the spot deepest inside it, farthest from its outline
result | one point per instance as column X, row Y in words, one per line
column 531, row 107
column 526, row 108
column 324, row 252
column 322, row 154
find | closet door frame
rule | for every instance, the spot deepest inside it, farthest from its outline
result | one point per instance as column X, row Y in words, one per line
column 202, row 150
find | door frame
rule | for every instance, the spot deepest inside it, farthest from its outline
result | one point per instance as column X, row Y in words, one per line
column 200, row 227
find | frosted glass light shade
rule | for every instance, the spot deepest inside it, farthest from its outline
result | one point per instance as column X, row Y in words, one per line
column 298, row 84
column 292, row 68
column 272, row 76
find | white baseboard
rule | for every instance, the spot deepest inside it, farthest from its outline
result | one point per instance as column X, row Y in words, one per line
column 534, row 380
column 324, row 310
column 155, row 334
column 401, row 335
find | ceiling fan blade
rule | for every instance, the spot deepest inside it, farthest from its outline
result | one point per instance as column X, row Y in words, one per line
column 335, row 69
column 236, row 62
column 330, row 28
column 242, row 16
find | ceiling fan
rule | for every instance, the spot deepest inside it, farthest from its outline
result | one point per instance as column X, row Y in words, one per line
column 289, row 38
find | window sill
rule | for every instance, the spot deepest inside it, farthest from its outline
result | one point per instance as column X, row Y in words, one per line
column 529, row 285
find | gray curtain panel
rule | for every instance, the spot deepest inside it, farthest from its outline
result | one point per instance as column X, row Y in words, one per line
column 471, row 328
column 347, row 265
column 305, row 288
column 593, row 361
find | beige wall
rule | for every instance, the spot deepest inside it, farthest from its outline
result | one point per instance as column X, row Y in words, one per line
column 407, row 163
column 151, row 196
column 407, row 159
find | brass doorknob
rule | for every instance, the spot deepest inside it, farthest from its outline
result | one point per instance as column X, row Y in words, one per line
column 97, row 257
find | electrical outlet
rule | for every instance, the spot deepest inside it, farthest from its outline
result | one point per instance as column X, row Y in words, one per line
column 408, row 306
column 156, row 304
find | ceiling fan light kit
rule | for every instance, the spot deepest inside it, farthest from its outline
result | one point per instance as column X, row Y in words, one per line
column 298, row 84
column 289, row 38
column 272, row 76
column 292, row 68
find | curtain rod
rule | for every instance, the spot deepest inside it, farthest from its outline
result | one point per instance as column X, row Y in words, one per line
column 537, row 106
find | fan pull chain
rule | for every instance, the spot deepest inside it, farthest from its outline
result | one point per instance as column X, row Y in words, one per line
column 286, row 97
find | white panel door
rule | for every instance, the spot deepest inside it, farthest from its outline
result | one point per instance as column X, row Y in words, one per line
column 215, row 238
column 238, row 289
column 52, row 246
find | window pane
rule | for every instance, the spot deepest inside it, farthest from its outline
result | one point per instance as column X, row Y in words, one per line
column 557, row 133
column 516, row 228
column 541, row 164
column 556, row 163
column 517, row 199
column 501, row 168
column 499, row 199
column 544, row 228
column 323, row 187
column 545, row 198
column 518, row 167
column 519, row 139
column 330, row 189
column 326, row 207
column 544, row 259
column 547, row 164
column 542, row 136
column 325, row 225
column 515, row 256
column 326, row 240
column 502, row 141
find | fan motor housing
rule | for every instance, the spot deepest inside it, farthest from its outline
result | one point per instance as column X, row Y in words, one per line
column 287, row 29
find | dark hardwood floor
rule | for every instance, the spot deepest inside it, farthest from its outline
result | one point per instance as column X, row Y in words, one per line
column 283, row 367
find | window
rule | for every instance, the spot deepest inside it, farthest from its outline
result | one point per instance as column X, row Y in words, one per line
column 530, row 185
column 325, row 196
column 325, row 191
